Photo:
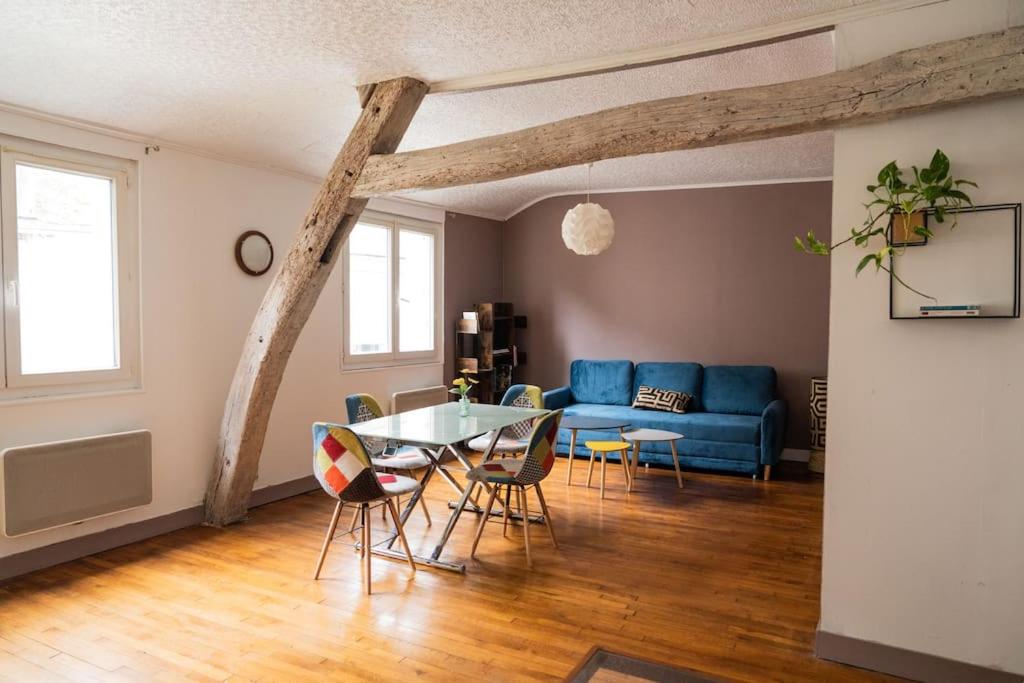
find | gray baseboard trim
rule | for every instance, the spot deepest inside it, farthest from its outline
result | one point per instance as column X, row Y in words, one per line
column 795, row 454
column 286, row 489
column 916, row 666
column 90, row 544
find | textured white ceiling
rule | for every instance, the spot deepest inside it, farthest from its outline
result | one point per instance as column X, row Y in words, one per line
column 271, row 82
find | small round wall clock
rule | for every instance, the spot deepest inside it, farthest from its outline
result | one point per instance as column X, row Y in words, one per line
column 254, row 253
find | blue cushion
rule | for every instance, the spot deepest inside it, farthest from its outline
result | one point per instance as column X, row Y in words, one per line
column 684, row 377
column 608, row 382
column 743, row 429
column 738, row 389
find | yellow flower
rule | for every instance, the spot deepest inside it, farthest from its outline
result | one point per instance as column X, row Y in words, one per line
column 472, row 381
column 460, row 382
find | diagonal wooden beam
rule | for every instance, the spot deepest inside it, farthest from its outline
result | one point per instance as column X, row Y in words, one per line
column 293, row 292
column 921, row 79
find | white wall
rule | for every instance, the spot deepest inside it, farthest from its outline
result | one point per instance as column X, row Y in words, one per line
column 924, row 512
column 196, row 309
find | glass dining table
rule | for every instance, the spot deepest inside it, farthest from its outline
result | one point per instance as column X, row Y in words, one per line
column 437, row 430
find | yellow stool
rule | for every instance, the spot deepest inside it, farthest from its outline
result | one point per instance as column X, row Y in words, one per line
column 604, row 448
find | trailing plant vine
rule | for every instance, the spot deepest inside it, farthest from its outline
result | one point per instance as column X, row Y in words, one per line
column 933, row 189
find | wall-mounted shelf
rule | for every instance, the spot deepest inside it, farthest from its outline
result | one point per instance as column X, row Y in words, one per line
column 978, row 263
column 485, row 344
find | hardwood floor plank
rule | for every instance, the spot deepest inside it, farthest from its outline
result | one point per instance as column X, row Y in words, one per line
column 721, row 577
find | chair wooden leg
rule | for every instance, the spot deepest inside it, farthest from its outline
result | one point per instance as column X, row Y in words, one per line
column 547, row 515
column 572, row 456
column 505, row 509
column 328, row 538
column 604, row 466
column 623, row 460
column 423, row 505
column 426, row 512
column 401, row 533
column 483, row 520
column 633, row 465
column 524, row 506
column 355, row 520
column 767, row 472
column 590, row 467
column 675, row 461
column 367, row 544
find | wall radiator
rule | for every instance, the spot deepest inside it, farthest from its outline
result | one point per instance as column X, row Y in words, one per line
column 65, row 482
column 402, row 401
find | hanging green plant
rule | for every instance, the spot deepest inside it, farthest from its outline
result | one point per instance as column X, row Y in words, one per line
column 891, row 213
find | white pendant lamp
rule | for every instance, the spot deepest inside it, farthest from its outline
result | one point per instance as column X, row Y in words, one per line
column 588, row 229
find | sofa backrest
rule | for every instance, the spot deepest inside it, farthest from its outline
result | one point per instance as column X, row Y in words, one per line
column 738, row 389
column 602, row 381
column 685, row 377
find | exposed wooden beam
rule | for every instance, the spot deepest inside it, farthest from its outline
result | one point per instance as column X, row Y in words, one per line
column 292, row 293
column 921, row 79
column 364, row 92
column 675, row 52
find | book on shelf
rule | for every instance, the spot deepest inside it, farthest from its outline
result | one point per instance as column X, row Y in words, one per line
column 952, row 311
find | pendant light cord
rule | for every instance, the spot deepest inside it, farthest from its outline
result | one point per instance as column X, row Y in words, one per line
column 589, row 166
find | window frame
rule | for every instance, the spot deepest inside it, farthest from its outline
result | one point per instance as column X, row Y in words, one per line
column 395, row 358
column 123, row 173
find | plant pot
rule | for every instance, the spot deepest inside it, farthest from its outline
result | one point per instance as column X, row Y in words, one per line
column 901, row 229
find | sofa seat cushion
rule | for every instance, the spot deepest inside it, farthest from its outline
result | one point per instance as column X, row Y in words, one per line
column 685, row 378
column 608, row 382
column 738, row 389
column 741, row 429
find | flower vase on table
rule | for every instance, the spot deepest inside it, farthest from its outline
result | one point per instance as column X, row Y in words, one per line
column 461, row 386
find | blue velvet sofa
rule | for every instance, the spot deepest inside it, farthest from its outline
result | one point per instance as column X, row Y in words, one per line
column 735, row 422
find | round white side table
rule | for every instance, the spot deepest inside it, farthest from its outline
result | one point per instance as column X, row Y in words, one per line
column 637, row 436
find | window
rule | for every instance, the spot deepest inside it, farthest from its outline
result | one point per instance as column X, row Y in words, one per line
column 392, row 292
column 68, row 258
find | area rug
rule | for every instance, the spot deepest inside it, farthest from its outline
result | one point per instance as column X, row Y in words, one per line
column 604, row 666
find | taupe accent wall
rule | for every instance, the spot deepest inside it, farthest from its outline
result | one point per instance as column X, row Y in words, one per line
column 472, row 272
column 706, row 275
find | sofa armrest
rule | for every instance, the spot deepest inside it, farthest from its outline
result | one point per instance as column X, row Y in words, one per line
column 773, row 431
column 557, row 398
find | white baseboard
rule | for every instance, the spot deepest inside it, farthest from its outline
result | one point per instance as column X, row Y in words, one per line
column 795, row 454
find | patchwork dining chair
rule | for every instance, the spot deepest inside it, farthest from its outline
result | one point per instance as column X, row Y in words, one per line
column 343, row 468
column 520, row 475
column 514, row 438
column 364, row 407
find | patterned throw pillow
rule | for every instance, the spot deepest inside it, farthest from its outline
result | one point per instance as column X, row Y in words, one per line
column 665, row 400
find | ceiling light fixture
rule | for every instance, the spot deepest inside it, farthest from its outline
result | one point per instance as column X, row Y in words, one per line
column 588, row 229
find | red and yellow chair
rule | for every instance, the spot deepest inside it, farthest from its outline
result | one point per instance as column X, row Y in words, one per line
column 344, row 470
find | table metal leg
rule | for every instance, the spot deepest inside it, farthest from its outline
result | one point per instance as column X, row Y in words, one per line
column 417, row 494
column 453, row 520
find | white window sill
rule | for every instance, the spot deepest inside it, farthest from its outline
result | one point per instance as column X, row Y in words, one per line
column 353, row 369
column 15, row 397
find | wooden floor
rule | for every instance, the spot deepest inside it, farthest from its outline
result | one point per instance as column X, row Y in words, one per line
column 721, row 577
